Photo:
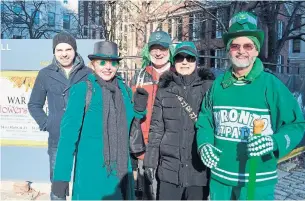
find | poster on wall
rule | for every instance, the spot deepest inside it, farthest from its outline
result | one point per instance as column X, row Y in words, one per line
column 17, row 125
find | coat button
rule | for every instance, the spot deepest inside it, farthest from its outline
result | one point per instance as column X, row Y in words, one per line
column 63, row 94
column 64, row 109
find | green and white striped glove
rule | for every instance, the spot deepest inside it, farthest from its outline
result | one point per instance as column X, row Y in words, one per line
column 259, row 145
column 209, row 155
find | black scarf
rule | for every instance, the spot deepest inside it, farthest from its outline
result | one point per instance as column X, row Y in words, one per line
column 115, row 133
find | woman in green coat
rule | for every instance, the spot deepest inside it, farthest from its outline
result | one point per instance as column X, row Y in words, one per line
column 95, row 134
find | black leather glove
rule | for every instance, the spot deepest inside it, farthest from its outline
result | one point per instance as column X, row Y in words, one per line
column 140, row 99
column 149, row 174
column 60, row 188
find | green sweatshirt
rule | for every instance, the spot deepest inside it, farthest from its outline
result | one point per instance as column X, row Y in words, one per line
column 226, row 121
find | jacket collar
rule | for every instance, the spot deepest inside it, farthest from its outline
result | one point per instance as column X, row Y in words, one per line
column 171, row 78
column 229, row 78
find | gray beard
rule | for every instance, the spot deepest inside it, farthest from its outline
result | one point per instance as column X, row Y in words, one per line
column 237, row 64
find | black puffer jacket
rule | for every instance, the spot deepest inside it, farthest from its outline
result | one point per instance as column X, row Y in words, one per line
column 172, row 142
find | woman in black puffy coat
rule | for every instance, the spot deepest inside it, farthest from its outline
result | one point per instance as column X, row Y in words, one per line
column 171, row 149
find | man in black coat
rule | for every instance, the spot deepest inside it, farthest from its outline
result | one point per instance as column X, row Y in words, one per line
column 172, row 149
column 53, row 83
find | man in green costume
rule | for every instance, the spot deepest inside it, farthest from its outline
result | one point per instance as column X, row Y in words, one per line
column 225, row 125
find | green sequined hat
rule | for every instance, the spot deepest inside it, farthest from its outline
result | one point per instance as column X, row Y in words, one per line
column 243, row 24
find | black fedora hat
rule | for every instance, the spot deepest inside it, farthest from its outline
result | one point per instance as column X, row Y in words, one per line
column 105, row 50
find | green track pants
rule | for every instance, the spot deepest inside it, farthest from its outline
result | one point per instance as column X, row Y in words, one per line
column 220, row 191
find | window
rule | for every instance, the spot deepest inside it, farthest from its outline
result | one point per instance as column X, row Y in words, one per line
column 151, row 27
column 101, row 12
column 102, row 34
column 280, row 62
column 297, row 22
column 195, row 26
column 137, row 38
column 85, row 31
column 296, row 45
column 17, row 37
column 169, row 27
column 201, row 59
column 51, row 19
column 93, row 33
column 86, row 12
column 212, row 53
column 160, row 26
column 203, row 29
column 279, row 29
column 93, row 11
column 213, row 24
column 222, row 15
column 220, row 53
column 66, row 21
column 36, row 17
column 179, row 28
column 17, row 17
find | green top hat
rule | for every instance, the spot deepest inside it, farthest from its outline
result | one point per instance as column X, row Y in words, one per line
column 159, row 38
column 243, row 24
column 186, row 47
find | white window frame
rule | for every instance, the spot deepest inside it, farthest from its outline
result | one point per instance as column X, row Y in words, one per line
column 219, row 63
column 218, row 33
column 280, row 25
column 177, row 27
column 279, row 62
column 196, row 26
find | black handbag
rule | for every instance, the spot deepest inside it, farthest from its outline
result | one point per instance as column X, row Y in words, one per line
column 136, row 138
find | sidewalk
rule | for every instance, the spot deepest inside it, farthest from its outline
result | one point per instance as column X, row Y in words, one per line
column 291, row 186
column 40, row 189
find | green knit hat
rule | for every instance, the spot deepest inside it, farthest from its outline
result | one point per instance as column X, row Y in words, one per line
column 243, row 24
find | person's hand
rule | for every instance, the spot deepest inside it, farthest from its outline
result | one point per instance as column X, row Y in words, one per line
column 209, row 155
column 140, row 99
column 259, row 145
column 149, row 174
column 60, row 188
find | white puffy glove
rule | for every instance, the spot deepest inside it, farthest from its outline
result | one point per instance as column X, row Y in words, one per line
column 209, row 155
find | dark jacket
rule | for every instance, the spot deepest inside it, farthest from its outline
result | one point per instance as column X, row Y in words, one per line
column 172, row 143
column 148, row 79
column 52, row 83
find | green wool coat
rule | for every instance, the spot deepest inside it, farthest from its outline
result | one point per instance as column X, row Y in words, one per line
column 91, row 181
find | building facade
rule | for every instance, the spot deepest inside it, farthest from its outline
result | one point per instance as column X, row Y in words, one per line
column 38, row 19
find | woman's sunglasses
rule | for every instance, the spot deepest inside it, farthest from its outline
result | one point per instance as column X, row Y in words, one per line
column 236, row 47
column 189, row 58
column 113, row 63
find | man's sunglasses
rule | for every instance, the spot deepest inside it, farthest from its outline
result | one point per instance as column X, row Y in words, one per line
column 113, row 63
column 180, row 58
column 246, row 47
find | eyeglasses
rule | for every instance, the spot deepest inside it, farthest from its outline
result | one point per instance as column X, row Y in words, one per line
column 180, row 58
column 246, row 47
column 113, row 63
